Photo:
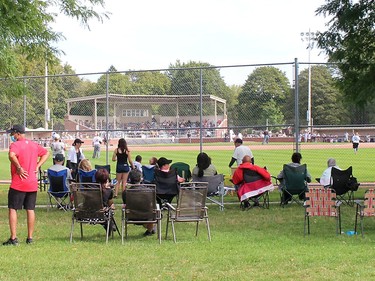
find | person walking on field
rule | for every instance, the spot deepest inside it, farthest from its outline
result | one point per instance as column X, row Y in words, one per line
column 26, row 157
column 355, row 140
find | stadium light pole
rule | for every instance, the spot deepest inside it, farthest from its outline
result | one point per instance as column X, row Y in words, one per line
column 309, row 37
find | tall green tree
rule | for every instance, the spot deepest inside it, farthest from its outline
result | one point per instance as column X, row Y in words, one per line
column 263, row 97
column 349, row 41
column 25, row 28
column 327, row 101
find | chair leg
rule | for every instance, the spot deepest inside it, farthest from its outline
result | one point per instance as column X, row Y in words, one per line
column 122, row 227
column 173, row 231
column 362, row 227
column 159, row 230
column 71, row 230
column 339, row 217
column 196, row 229
column 81, row 231
column 166, row 230
column 356, row 219
column 208, row 227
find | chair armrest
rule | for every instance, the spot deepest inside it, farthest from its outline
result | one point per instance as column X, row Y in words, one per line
column 359, row 202
column 170, row 207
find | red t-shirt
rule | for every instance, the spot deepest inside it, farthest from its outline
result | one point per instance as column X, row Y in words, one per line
column 28, row 153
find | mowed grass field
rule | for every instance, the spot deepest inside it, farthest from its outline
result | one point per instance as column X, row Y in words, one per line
column 257, row 244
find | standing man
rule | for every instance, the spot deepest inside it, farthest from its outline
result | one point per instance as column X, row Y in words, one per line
column 96, row 142
column 239, row 152
column 355, row 140
column 26, row 157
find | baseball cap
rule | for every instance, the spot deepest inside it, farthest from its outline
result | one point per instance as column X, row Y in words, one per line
column 56, row 136
column 59, row 157
column 77, row 141
column 16, row 129
column 162, row 161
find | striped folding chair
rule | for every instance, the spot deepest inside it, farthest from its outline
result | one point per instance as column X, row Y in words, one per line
column 365, row 208
column 322, row 202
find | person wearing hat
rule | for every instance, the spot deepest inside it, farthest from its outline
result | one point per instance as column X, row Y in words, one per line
column 326, row 179
column 75, row 155
column 240, row 152
column 57, row 147
column 26, row 157
column 59, row 166
column 166, row 180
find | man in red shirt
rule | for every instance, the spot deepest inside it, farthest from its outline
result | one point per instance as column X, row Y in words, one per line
column 26, row 157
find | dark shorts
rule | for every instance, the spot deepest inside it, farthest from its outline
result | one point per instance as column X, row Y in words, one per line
column 17, row 199
column 355, row 145
column 122, row 168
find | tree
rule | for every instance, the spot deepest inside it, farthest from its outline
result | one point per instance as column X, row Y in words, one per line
column 349, row 41
column 25, row 29
column 263, row 97
column 327, row 102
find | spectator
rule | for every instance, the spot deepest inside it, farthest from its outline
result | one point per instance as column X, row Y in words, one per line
column 58, row 166
column 204, row 166
column 326, row 179
column 26, row 157
column 138, row 163
column 355, row 140
column 85, row 165
column 124, row 162
column 75, row 155
column 96, row 142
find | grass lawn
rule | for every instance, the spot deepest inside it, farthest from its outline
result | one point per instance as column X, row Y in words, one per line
column 246, row 245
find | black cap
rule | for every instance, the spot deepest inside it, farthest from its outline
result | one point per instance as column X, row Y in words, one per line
column 162, row 161
column 59, row 157
column 238, row 140
column 17, row 129
column 77, row 141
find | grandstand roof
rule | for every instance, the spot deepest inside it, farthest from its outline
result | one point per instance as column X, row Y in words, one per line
column 148, row 99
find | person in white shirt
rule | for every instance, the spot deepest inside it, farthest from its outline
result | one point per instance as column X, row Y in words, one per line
column 57, row 147
column 138, row 163
column 75, row 155
column 96, row 142
column 326, row 178
column 239, row 152
column 355, row 140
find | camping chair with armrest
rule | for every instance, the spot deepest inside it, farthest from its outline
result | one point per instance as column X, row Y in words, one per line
column 191, row 207
column 341, row 184
column 294, row 184
column 140, row 208
column 183, row 170
column 148, row 173
column 167, row 186
column 89, row 209
column 365, row 208
column 58, row 190
column 255, row 189
column 215, row 188
column 322, row 202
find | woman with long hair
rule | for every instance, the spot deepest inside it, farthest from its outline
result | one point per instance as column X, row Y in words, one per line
column 124, row 163
column 204, row 166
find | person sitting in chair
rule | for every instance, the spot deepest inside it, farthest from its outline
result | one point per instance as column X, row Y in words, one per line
column 204, row 166
column 135, row 177
column 326, row 179
column 252, row 181
column 166, row 180
column 296, row 162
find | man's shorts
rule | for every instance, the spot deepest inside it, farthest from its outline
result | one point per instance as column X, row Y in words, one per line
column 17, row 199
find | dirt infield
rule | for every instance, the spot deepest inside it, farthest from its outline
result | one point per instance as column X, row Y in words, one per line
column 289, row 146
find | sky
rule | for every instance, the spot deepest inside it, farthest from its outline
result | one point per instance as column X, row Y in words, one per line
column 150, row 34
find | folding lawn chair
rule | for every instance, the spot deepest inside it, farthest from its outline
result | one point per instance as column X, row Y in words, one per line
column 183, row 170
column 167, row 186
column 215, row 188
column 148, row 173
column 191, row 207
column 322, row 202
column 365, row 209
column 140, row 208
column 341, row 180
column 58, row 190
column 294, row 184
column 86, row 176
column 89, row 209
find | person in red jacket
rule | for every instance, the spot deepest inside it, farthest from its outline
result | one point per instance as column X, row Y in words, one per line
column 252, row 181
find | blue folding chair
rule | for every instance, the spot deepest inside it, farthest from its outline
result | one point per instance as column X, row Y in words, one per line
column 148, row 174
column 58, row 189
column 86, row 176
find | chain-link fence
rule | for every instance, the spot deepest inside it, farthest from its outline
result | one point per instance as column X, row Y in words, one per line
column 289, row 103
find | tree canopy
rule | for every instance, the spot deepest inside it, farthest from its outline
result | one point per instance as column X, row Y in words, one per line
column 25, row 30
column 349, row 41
